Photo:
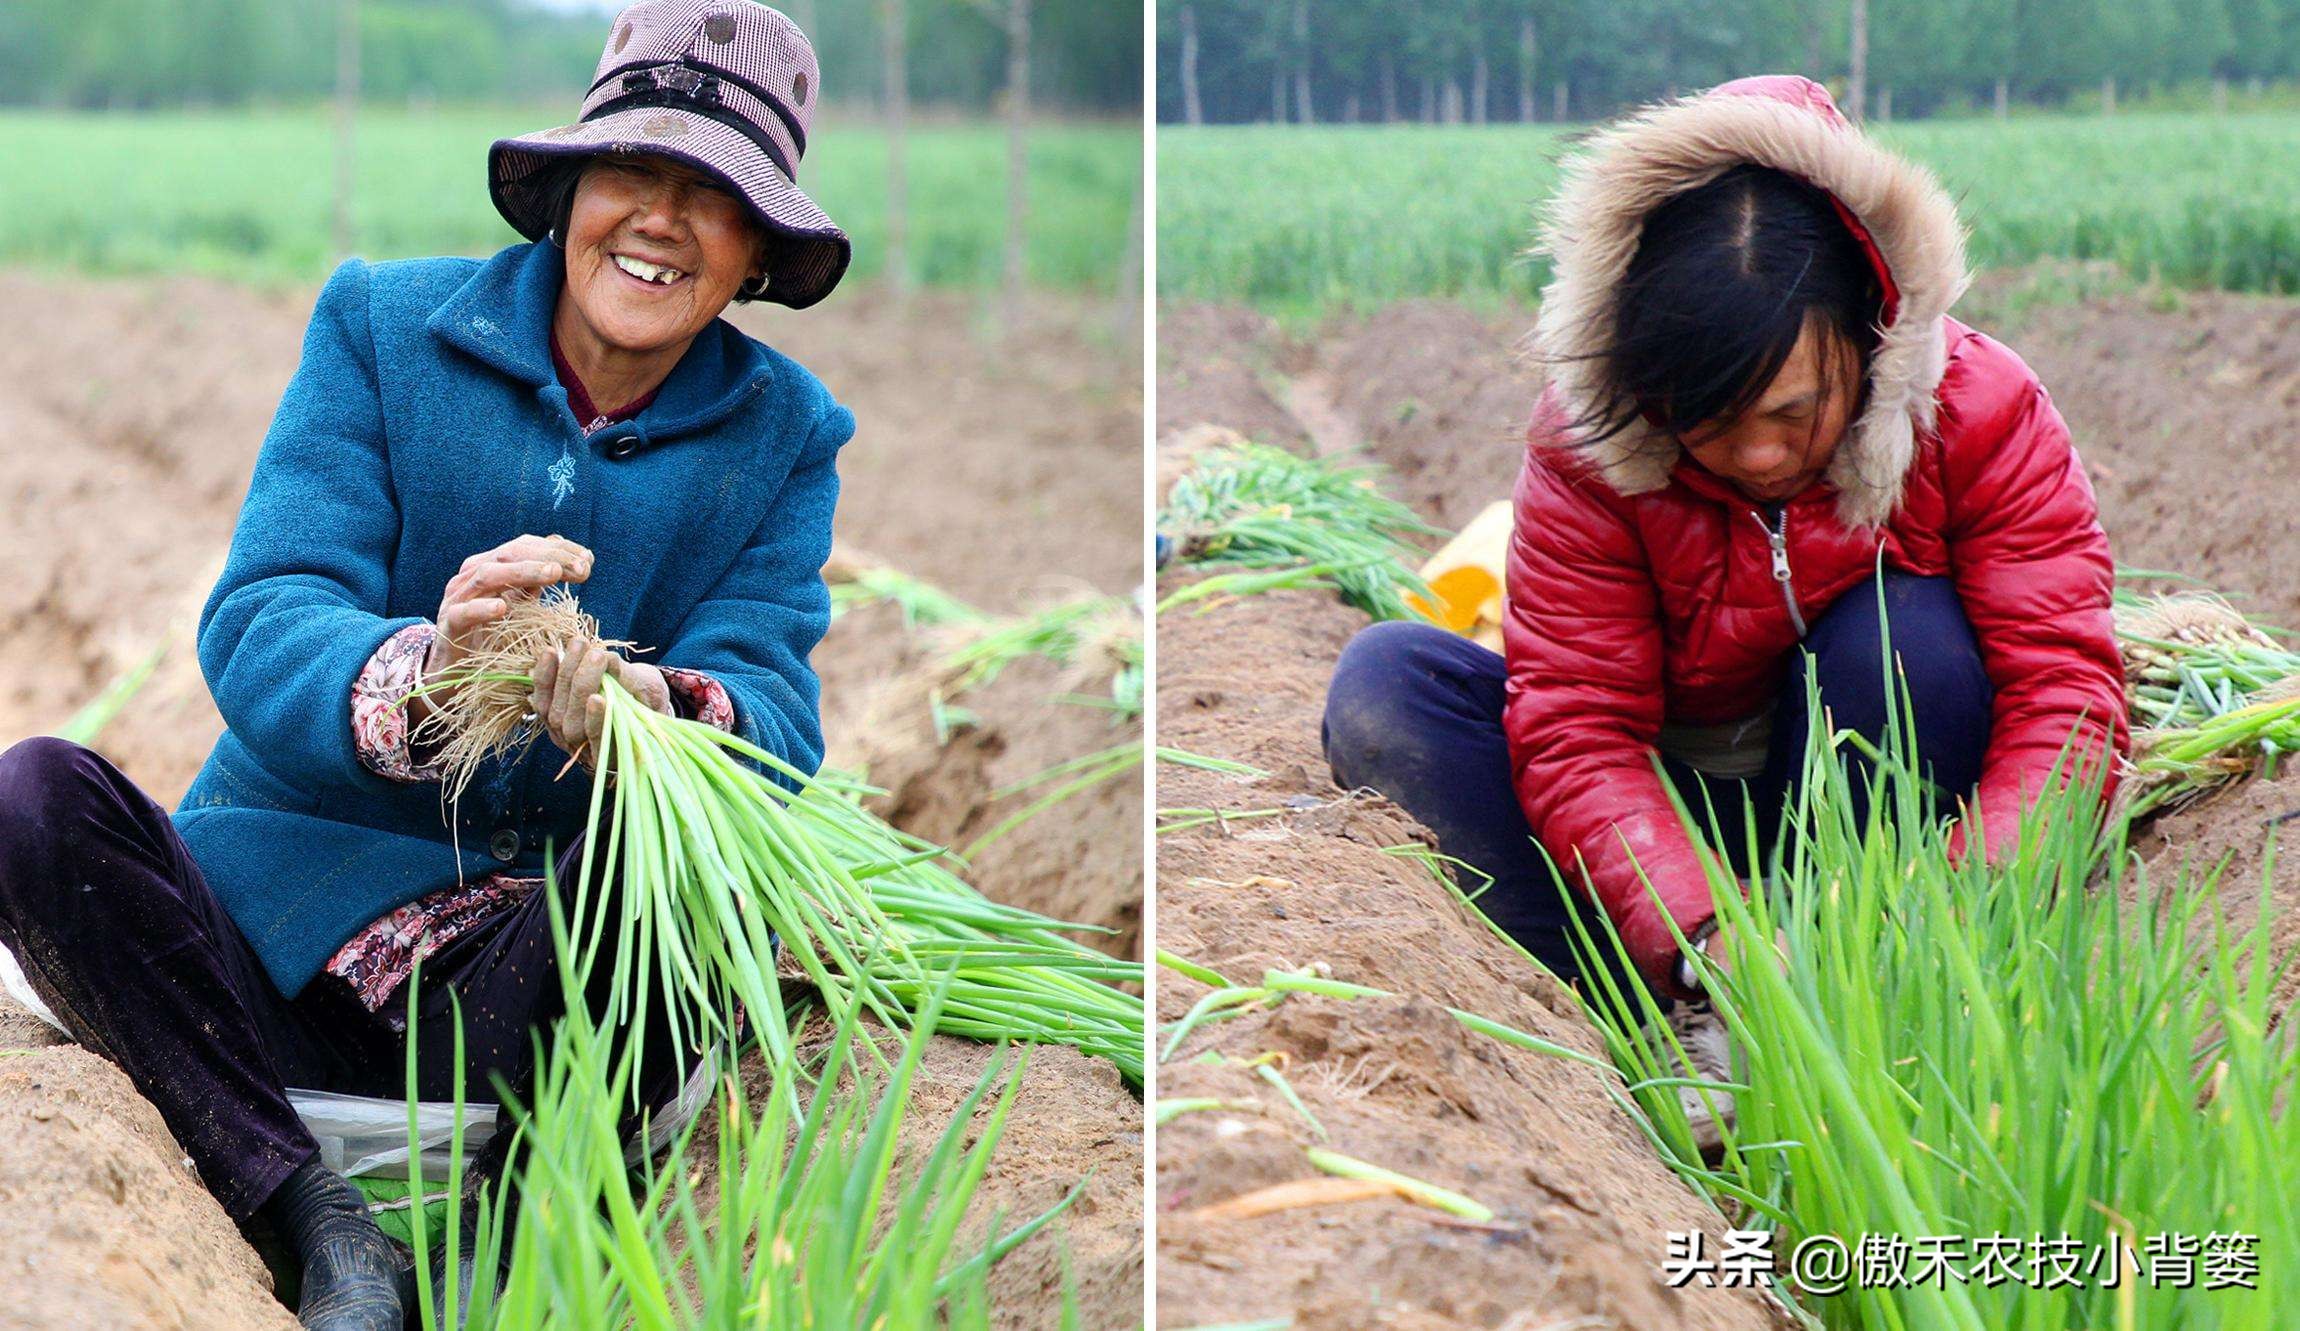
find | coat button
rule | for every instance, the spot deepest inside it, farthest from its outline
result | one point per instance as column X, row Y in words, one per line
column 621, row 447
column 504, row 845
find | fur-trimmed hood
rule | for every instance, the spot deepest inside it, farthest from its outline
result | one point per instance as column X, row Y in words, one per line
column 1899, row 212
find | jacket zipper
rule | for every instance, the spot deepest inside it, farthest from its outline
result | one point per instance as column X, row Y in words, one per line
column 1777, row 537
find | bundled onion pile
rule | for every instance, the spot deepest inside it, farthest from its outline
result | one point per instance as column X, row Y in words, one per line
column 2213, row 697
column 1250, row 506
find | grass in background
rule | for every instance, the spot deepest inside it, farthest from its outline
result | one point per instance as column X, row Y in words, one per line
column 246, row 194
column 1302, row 221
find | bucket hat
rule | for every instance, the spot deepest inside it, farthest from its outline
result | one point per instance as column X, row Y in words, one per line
column 725, row 86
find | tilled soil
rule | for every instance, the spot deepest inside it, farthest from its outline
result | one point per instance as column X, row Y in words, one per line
column 2187, row 413
column 1004, row 469
column 1583, row 1202
column 1075, row 1123
column 102, row 1223
column 2230, row 833
column 1081, row 859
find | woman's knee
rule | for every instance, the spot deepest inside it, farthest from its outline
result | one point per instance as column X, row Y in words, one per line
column 38, row 776
column 1389, row 680
column 60, row 823
column 1936, row 669
column 1920, row 619
column 43, row 759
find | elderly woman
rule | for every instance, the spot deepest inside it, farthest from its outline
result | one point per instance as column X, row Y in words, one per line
column 459, row 434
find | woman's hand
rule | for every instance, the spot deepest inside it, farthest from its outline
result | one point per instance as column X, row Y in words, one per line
column 480, row 593
column 1720, row 952
column 567, row 699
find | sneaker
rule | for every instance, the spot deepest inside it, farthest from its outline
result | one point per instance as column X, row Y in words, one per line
column 1702, row 1034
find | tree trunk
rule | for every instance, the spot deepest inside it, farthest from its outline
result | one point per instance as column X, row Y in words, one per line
column 1858, row 90
column 1278, row 91
column 2004, row 97
column 1017, row 154
column 1429, row 100
column 2108, row 95
column 803, row 14
column 1305, row 104
column 894, row 54
column 1350, row 109
column 1453, row 101
column 2220, row 94
column 1193, row 110
column 1479, row 75
column 1561, row 100
column 1528, row 49
column 1814, row 38
column 346, row 122
column 1885, row 103
column 1389, row 89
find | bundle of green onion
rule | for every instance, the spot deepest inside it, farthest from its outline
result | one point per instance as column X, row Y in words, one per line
column 1099, row 632
column 1252, row 506
column 721, row 849
column 983, row 645
column 855, row 586
column 2213, row 697
column 1058, row 632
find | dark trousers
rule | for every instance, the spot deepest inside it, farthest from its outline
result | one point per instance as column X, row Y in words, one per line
column 120, row 935
column 1415, row 713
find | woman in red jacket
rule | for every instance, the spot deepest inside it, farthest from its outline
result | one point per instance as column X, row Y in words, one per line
column 1757, row 401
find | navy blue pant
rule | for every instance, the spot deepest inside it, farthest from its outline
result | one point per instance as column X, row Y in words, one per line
column 121, row 936
column 1415, row 713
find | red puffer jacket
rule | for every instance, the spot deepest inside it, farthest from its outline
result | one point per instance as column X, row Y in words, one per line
column 1641, row 586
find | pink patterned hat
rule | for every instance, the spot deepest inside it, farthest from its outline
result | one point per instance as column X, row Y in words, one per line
column 725, row 86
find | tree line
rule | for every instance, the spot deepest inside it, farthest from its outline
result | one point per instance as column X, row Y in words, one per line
column 153, row 54
column 1473, row 61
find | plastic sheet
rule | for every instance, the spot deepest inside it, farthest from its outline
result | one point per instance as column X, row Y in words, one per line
column 13, row 983
column 364, row 1137
column 359, row 1136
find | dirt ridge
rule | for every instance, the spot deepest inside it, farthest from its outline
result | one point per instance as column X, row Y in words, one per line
column 1394, row 1081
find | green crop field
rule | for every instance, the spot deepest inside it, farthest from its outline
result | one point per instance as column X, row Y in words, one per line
column 1301, row 220
column 248, row 194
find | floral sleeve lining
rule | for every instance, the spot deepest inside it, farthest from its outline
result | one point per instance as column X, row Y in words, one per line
column 379, row 719
column 698, row 697
column 380, row 723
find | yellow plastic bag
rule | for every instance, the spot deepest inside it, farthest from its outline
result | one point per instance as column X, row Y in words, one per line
column 1466, row 578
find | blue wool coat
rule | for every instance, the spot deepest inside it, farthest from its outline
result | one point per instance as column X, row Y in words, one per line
column 425, row 425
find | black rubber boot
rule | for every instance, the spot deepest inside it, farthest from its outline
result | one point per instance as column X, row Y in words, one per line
column 351, row 1270
column 467, row 1270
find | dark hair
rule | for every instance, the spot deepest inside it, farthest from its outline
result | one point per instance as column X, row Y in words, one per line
column 558, row 194
column 1726, row 278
